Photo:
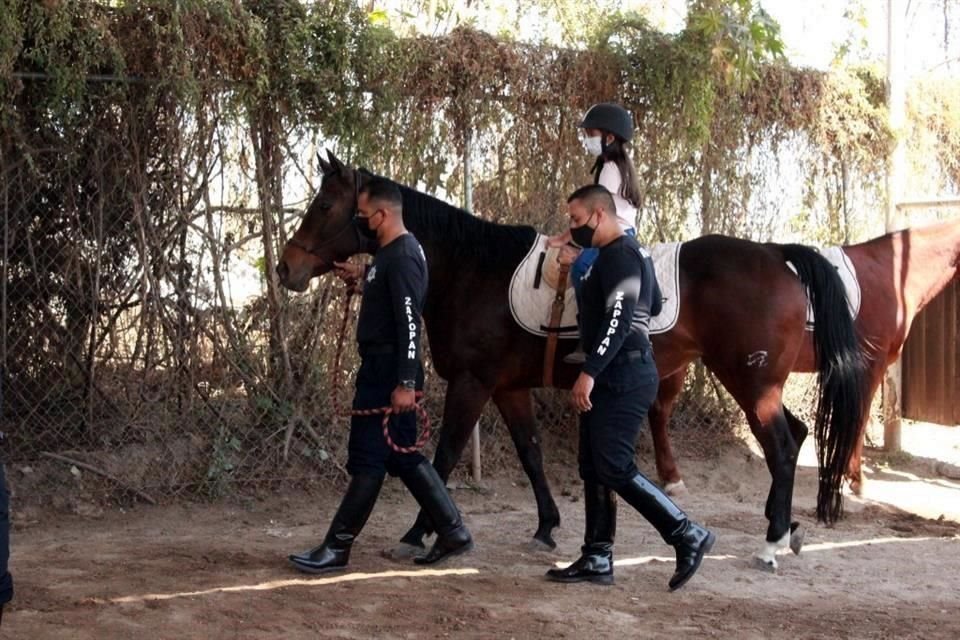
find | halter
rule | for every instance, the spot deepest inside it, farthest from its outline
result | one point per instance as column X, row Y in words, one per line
column 315, row 249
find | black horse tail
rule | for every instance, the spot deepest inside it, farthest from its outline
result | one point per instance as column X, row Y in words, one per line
column 841, row 373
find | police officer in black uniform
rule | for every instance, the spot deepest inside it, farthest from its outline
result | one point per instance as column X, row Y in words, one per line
column 616, row 387
column 388, row 334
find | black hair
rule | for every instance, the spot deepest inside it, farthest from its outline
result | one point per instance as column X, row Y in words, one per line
column 616, row 152
column 594, row 194
column 383, row 190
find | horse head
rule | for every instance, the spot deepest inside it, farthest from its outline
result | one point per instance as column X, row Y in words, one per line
column 327, row 232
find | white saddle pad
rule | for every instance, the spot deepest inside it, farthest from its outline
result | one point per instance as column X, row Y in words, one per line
column 848, row 275
column 666, row 262
column 531, row 298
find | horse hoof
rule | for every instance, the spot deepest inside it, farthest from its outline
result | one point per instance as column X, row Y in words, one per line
column 765, row 564
column 856, row 488
column 403, row 552
column 796, row 539
column 536, row 545
column 676, row 489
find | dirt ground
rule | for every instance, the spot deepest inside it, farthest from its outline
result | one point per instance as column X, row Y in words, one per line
column 218, row 571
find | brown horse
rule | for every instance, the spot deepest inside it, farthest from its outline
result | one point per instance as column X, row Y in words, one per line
column 742, row 311
column 899, row 273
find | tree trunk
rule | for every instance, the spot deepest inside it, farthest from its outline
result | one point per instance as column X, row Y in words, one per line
column 266, row 129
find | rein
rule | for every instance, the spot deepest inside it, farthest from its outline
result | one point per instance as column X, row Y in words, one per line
column 386, row 411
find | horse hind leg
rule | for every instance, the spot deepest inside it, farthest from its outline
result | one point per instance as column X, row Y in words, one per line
column 854, row 473
column 799, row 431
column 517, row 411
column 659, row 417
column 775, row 433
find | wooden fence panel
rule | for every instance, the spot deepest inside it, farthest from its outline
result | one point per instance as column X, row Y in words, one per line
column 931, row 388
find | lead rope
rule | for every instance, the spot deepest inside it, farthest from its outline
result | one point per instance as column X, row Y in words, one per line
column 386, row 411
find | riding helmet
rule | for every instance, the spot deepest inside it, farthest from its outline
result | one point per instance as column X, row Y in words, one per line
column 611, row 117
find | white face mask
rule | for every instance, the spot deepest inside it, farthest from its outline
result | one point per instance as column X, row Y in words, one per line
column 592, row 145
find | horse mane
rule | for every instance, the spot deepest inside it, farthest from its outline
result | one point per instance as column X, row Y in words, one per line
column 490, row 243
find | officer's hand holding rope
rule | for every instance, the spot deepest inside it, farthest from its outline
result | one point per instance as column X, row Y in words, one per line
column 403, row 400
column 351, row 274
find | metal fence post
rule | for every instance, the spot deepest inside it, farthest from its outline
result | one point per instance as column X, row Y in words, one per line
column 475, row 465
column 896, row 98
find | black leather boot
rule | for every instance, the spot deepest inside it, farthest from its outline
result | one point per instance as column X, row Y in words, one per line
column 595, row 563
column 453, row 538
column 334, row 552
column 690, row 541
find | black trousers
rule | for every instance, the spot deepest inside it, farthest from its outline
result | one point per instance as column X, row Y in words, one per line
column 621, row 398
column 6, row 581
column 368, row 451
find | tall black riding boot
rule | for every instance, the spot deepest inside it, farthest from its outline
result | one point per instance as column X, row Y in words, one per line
column 453, row 538
column 334, row 552
column 596, row 555
column 690, row 541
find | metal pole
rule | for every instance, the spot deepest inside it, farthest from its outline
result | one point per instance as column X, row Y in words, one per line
column 943, row 201
column 896, row 106
column 475, row 465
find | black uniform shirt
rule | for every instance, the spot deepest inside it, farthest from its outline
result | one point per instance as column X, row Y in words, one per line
column 393, row 297
column 618, row 297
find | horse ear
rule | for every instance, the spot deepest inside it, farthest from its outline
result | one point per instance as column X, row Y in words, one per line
column 325, row 166
column 335, row 162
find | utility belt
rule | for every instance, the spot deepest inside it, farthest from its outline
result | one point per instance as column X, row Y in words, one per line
column 624, row 357
column 377, row 349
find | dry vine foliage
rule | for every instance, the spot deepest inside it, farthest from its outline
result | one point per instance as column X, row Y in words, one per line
column 149, row 150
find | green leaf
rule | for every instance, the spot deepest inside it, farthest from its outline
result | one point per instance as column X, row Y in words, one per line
column 378, row 17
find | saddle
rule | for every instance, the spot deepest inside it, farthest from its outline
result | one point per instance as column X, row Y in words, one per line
column 534, row 288
column 542, row 300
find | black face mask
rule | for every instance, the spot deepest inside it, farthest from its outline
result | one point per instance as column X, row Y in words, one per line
column 582, row 236
column 363, row 225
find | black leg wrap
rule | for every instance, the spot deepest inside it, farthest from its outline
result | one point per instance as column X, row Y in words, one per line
column 355, row 508
column 428, row 489
column 690, row 541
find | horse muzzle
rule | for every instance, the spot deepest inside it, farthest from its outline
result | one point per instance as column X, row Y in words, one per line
column 293, row 279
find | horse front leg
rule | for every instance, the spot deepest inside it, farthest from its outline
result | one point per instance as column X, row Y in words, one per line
column 462, row 406
column 517, row 410
column 659, row 417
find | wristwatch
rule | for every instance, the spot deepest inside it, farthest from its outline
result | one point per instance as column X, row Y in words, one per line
column 409, row 385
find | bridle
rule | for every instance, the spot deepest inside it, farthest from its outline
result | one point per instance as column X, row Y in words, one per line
column 349, row 224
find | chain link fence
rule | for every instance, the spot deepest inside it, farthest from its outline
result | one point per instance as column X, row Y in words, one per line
column 131, row 372
column 147, row 351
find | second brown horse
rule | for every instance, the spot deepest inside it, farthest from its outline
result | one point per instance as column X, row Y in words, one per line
column 899, row 274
